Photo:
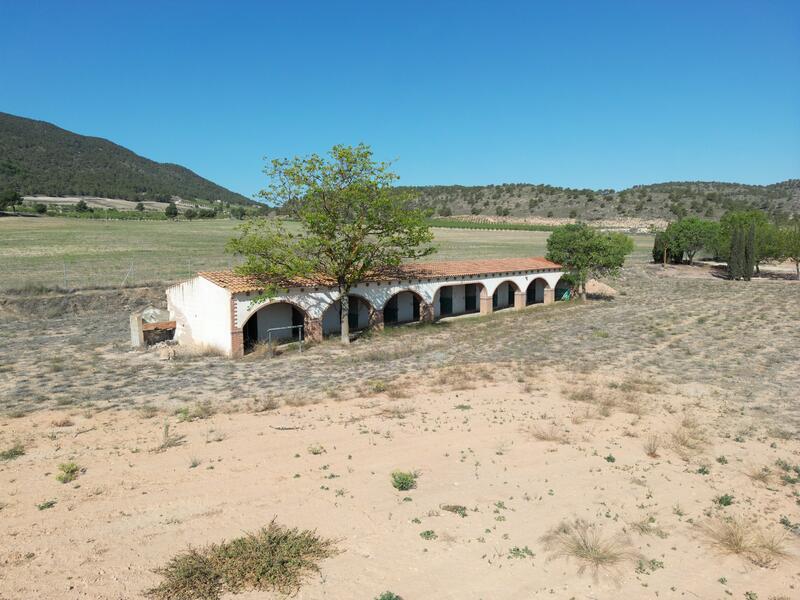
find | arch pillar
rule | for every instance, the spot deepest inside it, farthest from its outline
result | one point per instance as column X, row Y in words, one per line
column 312, row 329
column 486, row 302
column 425, row 312
column 519, row 300
column 375, row 320
column 549, row 295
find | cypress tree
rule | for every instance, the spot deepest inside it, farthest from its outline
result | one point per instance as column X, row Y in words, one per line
column 749, row 260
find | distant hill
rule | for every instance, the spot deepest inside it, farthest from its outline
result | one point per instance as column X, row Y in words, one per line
column 39, row 158
column 655, row 201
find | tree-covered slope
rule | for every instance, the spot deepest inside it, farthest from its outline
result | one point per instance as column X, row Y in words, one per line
column 39, row 158
column 661, row 200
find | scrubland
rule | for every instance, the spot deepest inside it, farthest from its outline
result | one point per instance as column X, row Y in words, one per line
column 640, row 447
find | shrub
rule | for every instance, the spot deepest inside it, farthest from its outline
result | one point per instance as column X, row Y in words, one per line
column 15, row 451
column 273, row 559
column 428, row 534
column 404, row 480
column 584, row 542
column 69, row 472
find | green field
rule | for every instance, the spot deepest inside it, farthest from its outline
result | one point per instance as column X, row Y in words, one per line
column 76, row 253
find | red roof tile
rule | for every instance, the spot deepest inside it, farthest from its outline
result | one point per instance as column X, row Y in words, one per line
column 432, row 270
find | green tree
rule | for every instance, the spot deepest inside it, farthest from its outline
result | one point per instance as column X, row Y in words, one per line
column 140, row 206
column 10, row 199
column 690, row 235
column 81, row 206
column 352, row 223
column 766, row 242
column 790, row 245
column 171, row 210
column 40, row 209
column 190, row 213
column 237, row 212
column 586, row 252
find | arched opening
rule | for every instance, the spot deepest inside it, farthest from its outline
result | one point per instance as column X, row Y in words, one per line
column 453, row 300
column 503, row 296
column 358, row 316
column 276, row 322
column 403, row 307
column 535, row 292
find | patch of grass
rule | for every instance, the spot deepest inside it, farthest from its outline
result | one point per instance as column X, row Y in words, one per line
column 761, row 475
column 168, row 440
column 462, row 407
column 648, row 527
column 15, row 451
column 404, row 480
column 517, row 552
column 274, row 558
column 724, row 500
column 63, row 422
column 461, row 511
column 388, row 596
column 69, row 472
column 738, row 536
column 584, row 542
column 428, row 534
column 46, row 504
column 201, row 410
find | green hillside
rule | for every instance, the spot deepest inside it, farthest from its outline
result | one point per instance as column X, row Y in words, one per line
column 660, row 200
column 39, row 158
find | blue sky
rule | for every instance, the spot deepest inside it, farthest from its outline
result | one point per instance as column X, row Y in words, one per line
column 580, row 94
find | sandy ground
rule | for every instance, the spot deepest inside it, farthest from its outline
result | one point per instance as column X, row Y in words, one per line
column 521, row 447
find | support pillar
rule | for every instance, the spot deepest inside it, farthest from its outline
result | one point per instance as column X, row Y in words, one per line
column 237, row 343
column 549, row 295
column 519, row 300
column 425, row 312
column 137, row 330
column 376, row 320
column 486, row 303
column 312, row 330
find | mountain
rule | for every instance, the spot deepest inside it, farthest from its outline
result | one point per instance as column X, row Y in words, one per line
column 655, row 201
column 39, row 158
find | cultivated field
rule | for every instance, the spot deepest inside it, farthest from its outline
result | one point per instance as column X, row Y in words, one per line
column 77, row 253
column 640, row 447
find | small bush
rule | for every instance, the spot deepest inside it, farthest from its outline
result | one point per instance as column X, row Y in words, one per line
column 273, row 559
column 69, row 472
column 651, row 446
column 388, row 596
column 584, row 542
column 461, row 511
column 724, row 500
column 404, row 480
column 46, row 504
column 428, row 534
column 744, row 538
column 15, row 451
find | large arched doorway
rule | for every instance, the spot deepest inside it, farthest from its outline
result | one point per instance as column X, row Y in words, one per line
column 276, row 322
column 504, row 296
column 403, row 307
column 460, row 299
column 534, row 294
column 359, row 316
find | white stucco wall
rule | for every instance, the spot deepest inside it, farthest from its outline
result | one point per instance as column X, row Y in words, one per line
column 202, row 314
column 331, row 320
column 405, row 307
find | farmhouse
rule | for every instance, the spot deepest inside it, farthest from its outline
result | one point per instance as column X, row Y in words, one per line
column 222, row 310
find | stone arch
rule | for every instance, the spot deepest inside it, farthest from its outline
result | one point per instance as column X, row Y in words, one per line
column 536, row 291
column 406, row 306
column 506, row 294
column 452, row 299
column 362, row 315
column 274, row 315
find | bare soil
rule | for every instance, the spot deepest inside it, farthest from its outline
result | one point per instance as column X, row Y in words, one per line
column 525, row 419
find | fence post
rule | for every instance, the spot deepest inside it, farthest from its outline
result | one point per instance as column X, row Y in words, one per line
column 65, row 275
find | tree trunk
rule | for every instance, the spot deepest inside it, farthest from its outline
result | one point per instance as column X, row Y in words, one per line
column 797, row 269
column 665, row 257
column 344, row 315
column 583, row 290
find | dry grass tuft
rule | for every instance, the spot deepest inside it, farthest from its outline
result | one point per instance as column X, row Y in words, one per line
column 63, row 422
column 585, row 542
column 760, row 474
column 273, row 559
column 744, row 538
column 651, row 446
column 688, row 439
column 551, row 433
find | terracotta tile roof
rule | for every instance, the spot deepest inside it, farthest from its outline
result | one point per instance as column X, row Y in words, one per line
column 432, row 270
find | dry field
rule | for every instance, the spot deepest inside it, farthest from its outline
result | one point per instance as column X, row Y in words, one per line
column 641, row 447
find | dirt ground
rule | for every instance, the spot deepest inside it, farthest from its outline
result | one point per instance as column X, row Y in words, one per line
column 656, row 417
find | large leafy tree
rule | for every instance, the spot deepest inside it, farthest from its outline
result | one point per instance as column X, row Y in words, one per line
column 586, row 252
column 790, row 245
column 692, row 235
column 352, row 223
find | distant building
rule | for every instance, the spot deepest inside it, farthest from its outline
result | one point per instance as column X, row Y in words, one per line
column 219, row 309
